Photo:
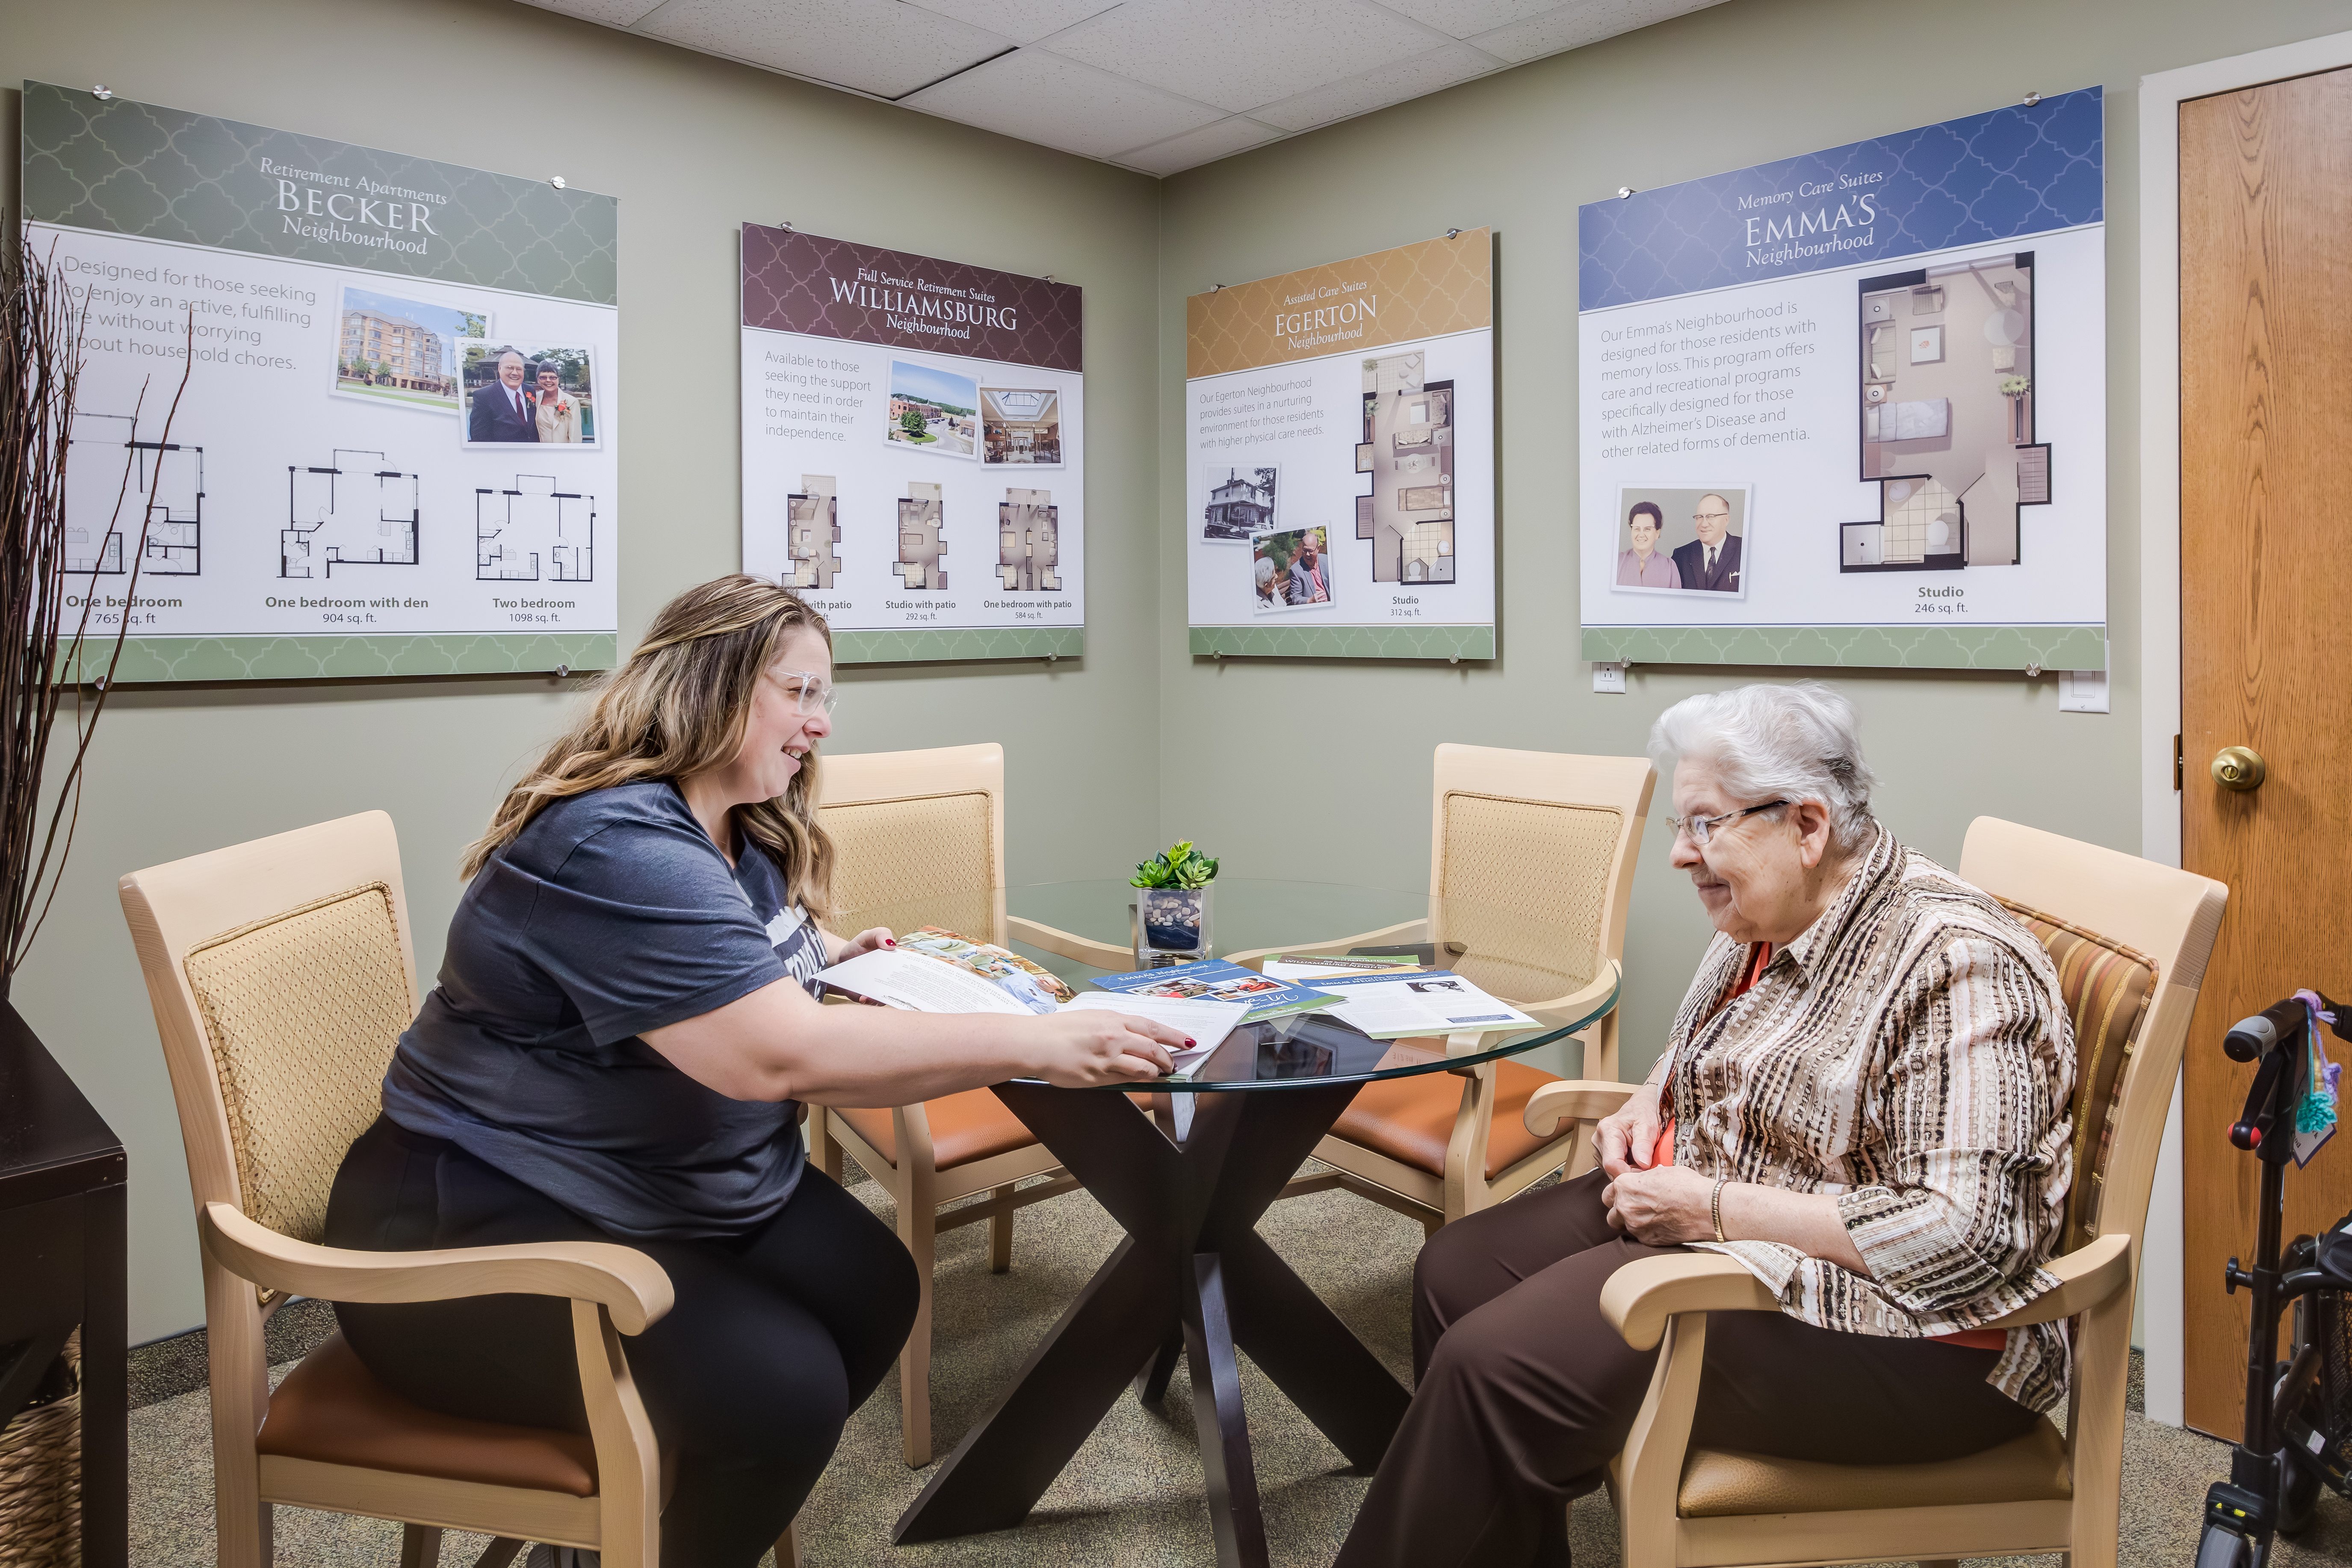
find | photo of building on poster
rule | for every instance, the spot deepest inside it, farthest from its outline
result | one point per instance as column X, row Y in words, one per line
column 913, row 450
column 1342, row 484
column 1907, row 386
column 323, row 501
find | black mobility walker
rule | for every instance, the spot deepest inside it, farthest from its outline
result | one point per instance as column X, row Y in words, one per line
column 2298, row 1407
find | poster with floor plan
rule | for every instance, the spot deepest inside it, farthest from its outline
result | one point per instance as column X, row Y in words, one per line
column 319, row 504
column 1339, row 439
column 913, row 455
column 1851, row 407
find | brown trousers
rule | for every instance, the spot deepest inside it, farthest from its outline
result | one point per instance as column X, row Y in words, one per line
column 1524, row 1392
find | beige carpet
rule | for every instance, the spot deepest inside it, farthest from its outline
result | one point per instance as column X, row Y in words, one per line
column 1132, row 1498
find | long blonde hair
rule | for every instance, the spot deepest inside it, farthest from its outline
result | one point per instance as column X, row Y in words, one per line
column 679, row 708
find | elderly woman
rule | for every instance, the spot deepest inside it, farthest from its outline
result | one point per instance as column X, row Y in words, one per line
column 1863, row 1099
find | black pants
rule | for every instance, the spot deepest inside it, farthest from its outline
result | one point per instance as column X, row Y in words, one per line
column 1523, row 1392
column 775, row 1337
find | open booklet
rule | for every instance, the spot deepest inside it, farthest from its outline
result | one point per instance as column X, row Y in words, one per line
column 980, row 977
column 1393, row 1006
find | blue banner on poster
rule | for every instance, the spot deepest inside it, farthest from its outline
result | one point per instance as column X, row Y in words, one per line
column 2021, row 170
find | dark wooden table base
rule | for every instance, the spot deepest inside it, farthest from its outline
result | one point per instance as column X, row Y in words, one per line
column 1192, row 1271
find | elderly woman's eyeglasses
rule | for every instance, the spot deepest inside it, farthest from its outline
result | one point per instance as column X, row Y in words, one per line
column 811, row 693
column 1699, row 829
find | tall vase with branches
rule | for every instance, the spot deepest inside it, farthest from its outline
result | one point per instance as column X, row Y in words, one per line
column 47, row 654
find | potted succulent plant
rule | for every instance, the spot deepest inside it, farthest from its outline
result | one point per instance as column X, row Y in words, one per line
column 1172, row 908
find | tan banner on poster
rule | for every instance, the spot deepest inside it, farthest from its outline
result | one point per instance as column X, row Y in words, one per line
column 1415, row 291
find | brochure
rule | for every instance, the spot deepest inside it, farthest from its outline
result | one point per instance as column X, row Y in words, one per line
column 921, row 983
column 1038, row 989
column 1423, row 1002
column 1215, row 980
column 1306, row 966
column 1205, row 1023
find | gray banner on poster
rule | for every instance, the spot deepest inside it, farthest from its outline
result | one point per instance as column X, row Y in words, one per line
column 135, row 168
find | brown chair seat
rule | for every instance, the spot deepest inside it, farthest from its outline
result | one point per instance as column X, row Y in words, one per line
column 331, row 1409
column 1720, row 1482
column 1410, row 1120
column 973, row 1125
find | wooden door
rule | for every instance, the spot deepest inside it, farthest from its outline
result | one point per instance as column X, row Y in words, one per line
column 2266, row 637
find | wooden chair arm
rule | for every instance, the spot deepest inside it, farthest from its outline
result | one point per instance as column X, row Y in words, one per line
column 2086, row 1277
column 1640, row 1297
column 1062, row 943
column 1599, row 989
column 1394, row 936
column 1574, row 1100
column 625, row 1282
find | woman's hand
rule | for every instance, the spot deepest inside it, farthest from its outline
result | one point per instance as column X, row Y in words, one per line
column 1626, row 1140
column 1088, row 1049
column 1672, row 1203
column 868, row 941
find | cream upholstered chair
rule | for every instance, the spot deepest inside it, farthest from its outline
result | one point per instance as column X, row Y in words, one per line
column 920, row 837
column 2130, row 938
column 282, row 975
column 1531, row 857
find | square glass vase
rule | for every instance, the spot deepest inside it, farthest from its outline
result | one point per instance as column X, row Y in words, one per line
column 1170, row 925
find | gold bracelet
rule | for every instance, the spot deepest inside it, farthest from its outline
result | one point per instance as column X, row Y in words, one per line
column 1715, row 1207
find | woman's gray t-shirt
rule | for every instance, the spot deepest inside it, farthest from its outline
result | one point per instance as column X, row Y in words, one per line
column 611, row 913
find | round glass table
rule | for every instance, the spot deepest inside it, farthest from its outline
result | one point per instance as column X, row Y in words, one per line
column 1193, row 1274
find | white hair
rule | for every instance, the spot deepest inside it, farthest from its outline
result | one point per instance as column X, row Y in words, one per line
column 1800, row 740
column 1265, row 569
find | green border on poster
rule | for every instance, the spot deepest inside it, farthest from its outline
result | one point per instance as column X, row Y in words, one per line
column 919, row 646
column 1864, row 648
column 1345, row 642
column 340, row 658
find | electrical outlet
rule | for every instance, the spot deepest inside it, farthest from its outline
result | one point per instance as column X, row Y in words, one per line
column 1610, row 678
column 2082, row 691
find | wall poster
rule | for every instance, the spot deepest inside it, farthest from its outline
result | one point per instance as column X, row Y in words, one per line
column 1339, row 457
column 396, row 453
column 1851, row 408
column 914, row 451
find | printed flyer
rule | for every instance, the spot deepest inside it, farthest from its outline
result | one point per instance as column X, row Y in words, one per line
column 1851, row 408
column 914, row 455
column 1339, row 457
column 397, row 449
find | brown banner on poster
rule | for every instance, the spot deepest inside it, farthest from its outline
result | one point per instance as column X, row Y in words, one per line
column 832, row 288
column 1424, row 290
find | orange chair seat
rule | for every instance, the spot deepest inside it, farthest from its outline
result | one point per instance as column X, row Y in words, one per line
column 973, row 1125
column 333, row 1410
column 1410, row 1120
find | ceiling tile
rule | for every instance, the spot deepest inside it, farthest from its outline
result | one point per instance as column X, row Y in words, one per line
column 1205, row 145
column 1055, row 102
column 873, row 45
column 1466, row 18
column 1377, row 88
column 1579, row 23
column 1023, row 21
column 1238, row 54
column 612, row 13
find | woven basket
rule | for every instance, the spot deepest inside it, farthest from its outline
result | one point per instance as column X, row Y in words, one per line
column 40, row 1479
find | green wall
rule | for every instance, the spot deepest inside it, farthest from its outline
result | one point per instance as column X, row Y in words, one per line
column 693, row 147
column 1136, row 742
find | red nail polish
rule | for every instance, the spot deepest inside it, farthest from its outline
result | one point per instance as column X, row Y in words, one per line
column 889, row 942
column 1191, row 1042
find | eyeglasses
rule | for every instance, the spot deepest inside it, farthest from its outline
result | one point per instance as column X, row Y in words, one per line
column 813, row 696
column 1700, row 829
column 1711, row 517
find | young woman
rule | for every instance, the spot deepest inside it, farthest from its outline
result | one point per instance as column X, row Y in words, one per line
column 622, row 1031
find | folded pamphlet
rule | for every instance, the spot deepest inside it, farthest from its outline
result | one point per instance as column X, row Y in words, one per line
column 1215, row 980
column 1418, row 1002
column 1206, row 1024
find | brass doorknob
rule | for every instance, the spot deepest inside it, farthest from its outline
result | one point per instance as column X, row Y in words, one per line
column 2239, row 768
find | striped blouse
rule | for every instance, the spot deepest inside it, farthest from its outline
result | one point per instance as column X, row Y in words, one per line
column 1911, row 1055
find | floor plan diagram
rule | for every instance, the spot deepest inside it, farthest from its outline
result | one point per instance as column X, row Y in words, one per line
column 1028, row 541
column 357, row 512
column 812, row 528
column 119, row 488
column 1408, row 451
column 919, row 544
column 534, row 533
column 1946, row 405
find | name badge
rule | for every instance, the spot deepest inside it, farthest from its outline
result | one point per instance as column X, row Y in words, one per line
column 786, row 923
